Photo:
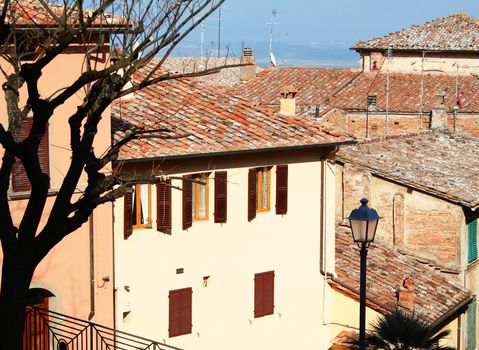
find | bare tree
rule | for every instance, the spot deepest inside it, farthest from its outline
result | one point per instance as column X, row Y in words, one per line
column 144, row 33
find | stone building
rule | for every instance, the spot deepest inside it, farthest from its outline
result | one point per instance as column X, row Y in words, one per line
column 426, row 188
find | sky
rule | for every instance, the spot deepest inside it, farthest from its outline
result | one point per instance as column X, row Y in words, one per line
column 333, row 22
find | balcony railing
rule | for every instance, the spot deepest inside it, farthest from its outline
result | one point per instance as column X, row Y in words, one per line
column 49, row 330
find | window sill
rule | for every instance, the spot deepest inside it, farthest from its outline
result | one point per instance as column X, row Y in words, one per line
column 199, row 220
column 142, row 227
column 472, row 264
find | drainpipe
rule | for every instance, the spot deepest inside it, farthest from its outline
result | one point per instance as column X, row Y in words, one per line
column 92, row 270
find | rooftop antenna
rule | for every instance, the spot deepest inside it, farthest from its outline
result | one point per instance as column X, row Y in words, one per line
column 388, row 55
column 202, row 44
column 274, row 14
column 219, row 31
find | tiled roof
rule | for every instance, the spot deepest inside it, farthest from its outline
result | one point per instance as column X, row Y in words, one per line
column 210, row 121
column 453, row 33
column 314, row 85
column 434, row 294
column 32, row 12
column 441, row 163
column 228, row 77
column 405, row 92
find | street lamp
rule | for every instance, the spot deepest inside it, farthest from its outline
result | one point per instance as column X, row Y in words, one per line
column 364, row 222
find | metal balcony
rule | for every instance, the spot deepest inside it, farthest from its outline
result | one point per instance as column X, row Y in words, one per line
column 49, row 330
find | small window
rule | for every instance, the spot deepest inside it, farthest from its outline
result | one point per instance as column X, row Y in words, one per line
column 372, row 99
column 141, row 206
column 471, row 326
column 263, row 294
column 472, row 241
column 200, row 194
column 263, row 180
column 179, row 320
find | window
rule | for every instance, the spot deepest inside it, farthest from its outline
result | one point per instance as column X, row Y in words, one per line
column 258, row 191
column 20, row 182
column 141, row 209
column 472, row 241
column 263, row 180
column 200, row 192
column 372, row 99
column 263, row 294
column 179, row 312
column 471, row 326
column 259, row 185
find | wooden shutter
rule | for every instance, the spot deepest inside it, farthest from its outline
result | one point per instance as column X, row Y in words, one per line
column 281, row 189
column 251, row 194
column 163, row 206
column 127, row 215
column 187, row 204
column 263, row 294
column 472, row 241
column 220, row 197
column 20, row 180
column 471, row 326
column 180, row 312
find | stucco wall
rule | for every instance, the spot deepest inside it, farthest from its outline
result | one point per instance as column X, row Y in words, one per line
column 66, row 270
column 231, row 254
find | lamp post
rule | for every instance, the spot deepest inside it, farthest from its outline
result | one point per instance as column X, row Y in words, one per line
column 364, row 222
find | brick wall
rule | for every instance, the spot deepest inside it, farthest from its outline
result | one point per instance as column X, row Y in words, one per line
column 355, row 123
column 412, row 221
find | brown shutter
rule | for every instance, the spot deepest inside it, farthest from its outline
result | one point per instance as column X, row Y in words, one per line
column 179, row 320
column 263, row 294
column 220, row 197
column 187, row 205
column 258, row 295
column 268, row 290
column 163, row 206
column 251, row 194
column 127, row 215
column 281, row 189
column 20, row 180
column 185, row 317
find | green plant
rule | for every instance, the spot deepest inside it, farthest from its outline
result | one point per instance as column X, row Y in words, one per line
column 402, row 330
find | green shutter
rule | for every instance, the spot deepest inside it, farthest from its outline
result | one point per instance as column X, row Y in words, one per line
column 472, row 241
column 471, row 326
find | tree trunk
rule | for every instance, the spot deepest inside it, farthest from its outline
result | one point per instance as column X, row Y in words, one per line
column 16, row 277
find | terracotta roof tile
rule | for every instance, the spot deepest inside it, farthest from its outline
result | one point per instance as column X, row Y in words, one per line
column 457, row 32
column 434, row 294
column 32, row 12
column 313, row 85
column 405, row 92
column 441, row 163
column 209, row 121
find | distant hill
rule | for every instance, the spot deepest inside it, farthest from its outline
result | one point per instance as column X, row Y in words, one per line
column 317, row 54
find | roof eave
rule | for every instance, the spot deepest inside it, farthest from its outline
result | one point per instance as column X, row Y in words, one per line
column 236, row 152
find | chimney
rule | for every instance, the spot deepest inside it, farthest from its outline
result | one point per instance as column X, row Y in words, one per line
column 116, row 55
column 406, row 295
column 438, row 118
column 288, row 100
column 248, row 72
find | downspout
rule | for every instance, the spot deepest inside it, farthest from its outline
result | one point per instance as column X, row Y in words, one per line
column 322, row 228
column 92, row 270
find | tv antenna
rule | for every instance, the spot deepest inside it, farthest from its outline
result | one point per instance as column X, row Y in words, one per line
column 274, row 14
column 219, row 31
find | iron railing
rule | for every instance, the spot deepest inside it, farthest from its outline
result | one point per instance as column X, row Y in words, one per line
column 49, row 330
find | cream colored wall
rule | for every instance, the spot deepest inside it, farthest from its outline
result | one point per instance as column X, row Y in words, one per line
column 462, row 64
column 231, row 254
column 66, row 269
